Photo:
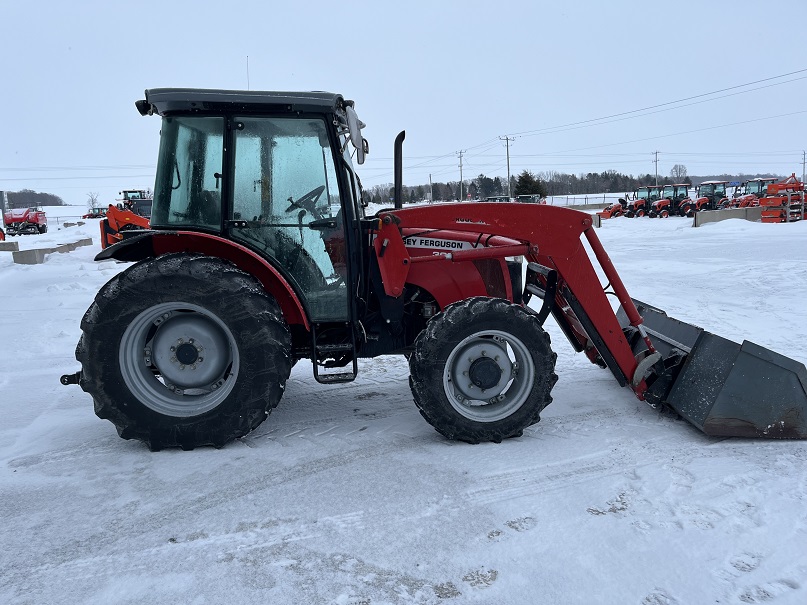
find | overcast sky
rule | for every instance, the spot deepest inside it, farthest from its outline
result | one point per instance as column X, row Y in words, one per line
column 457, row 76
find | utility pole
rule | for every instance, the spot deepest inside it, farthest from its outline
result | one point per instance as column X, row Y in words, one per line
column 431, row 189
column 507, row 143
column 803, row 164
column 656, row 160
column 459, row 153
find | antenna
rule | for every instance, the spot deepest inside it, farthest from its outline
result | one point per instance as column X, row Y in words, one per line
column 247, row 72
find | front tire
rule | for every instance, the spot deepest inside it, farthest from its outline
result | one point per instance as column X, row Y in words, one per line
column 482, row 370
column 184, row 350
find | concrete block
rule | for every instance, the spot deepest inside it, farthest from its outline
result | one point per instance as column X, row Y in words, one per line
column 715, row 216
column 35, row 256
column 9, row 246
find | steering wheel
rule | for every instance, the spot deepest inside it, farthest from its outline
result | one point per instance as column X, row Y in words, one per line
column 308, row 202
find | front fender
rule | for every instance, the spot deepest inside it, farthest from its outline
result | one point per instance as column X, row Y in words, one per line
column 150, row 244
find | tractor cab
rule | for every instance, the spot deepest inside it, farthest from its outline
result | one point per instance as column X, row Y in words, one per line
column 757, row 187
column 138, row 201
column 643, row 199
column 710, row 194
column 273, row 174
column 672, row 201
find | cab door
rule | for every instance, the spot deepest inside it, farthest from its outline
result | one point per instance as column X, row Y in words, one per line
column 286, row 206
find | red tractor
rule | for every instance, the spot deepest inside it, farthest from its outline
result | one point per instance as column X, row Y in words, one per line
column 260, row 254
column 642, row 200
column 25, row 221
column 710, row 195
column 130, row 214
column 95, row 213
column 674, row 200
column 748, row 194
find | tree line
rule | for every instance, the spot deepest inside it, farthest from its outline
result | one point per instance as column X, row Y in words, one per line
column 28, row 198
column 547, row 183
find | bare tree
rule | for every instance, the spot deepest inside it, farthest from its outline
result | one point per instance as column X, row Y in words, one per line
column 678, row 172
column 92, row 200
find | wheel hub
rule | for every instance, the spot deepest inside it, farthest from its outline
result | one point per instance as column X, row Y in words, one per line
column 187, row 354
column 485, row 373
column 190, row 351
column 481, row 369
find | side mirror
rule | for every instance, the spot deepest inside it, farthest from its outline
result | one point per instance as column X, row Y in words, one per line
column 354, row 126
column 362, row 150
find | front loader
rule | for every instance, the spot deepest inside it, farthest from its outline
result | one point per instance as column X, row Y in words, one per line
column 259, row 254
column 131, row 213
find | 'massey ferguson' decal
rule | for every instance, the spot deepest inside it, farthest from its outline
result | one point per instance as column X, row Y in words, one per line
column 436, row 244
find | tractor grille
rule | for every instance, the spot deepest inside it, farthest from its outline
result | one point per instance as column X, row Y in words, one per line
column 490, row 269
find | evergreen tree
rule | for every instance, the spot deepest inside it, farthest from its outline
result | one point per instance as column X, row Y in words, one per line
column 528, row 184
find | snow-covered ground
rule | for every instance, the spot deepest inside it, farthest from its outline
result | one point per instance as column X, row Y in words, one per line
column 345, row 495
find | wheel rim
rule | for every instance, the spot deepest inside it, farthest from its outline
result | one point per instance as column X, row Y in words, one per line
column 488, row 376
column 178, row 359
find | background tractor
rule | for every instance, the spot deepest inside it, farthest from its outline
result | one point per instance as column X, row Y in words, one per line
column 674, row 200
column 643, row 197
column 130, row 214
column 259, row 254
column 748, row 194
column 710, row 195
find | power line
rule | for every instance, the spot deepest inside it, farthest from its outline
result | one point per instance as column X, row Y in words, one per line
column 633, row 111
column 600, row 120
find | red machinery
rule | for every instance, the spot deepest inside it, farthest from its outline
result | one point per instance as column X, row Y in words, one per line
column 131, row 213
column 269, row 260
column 25, row 221
column 612, row 210
column 784, row 201
column 643, row 197
column 674, row 201
column 710, row 195
column 95, row 213
column 748, row 194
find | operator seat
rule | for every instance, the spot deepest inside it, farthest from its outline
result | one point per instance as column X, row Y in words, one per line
column 208, row 211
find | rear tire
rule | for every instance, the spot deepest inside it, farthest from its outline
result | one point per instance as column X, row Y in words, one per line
column 184, row 350
column 482, row 370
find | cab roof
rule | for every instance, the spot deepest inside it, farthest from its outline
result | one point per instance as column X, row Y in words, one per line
column 166, row 101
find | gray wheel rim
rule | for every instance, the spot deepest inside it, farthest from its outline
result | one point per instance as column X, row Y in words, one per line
column 511, row 391
column 179, row 359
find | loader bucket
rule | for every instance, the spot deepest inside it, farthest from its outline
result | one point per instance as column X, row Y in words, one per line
column 726, row 389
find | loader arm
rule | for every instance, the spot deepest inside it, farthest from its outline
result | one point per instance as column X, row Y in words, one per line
column 551, row 239
column 723, row 388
